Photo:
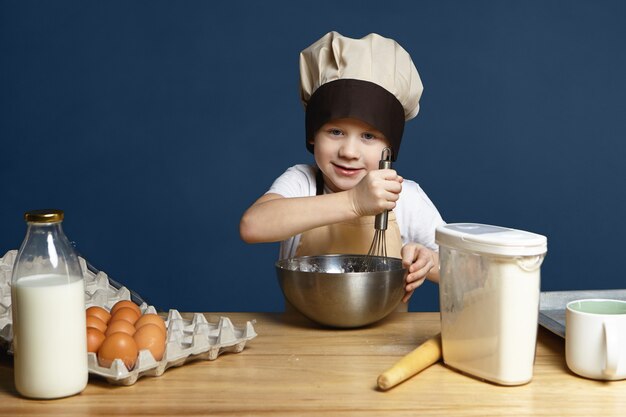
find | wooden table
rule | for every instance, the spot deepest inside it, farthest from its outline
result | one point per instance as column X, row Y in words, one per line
column 296, row 368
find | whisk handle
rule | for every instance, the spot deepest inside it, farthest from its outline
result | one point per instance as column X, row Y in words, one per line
column 380, row 221
column 384, row 164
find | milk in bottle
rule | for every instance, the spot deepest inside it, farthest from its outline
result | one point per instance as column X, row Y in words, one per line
column 47, row 291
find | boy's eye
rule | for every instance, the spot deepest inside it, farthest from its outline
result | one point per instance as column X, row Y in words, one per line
column 335, row 132
column 369, row 136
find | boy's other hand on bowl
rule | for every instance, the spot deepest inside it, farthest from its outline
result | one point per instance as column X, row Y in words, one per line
column 419, row 261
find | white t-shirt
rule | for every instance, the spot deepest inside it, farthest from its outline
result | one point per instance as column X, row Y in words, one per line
column 416, row 215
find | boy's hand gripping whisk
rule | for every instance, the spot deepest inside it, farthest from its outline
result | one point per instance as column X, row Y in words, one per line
column 378, row 247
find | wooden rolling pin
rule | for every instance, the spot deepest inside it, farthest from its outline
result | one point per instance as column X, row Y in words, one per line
column 413, row 362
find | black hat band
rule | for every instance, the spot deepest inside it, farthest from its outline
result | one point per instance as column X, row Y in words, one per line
column 358, row 99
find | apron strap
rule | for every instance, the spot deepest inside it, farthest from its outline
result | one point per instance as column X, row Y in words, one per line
column 319, row 182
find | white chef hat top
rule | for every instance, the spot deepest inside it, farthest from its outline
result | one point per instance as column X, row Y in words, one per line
column 372, row 79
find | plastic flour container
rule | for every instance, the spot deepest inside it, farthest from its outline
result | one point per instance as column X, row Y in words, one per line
column 489, row 299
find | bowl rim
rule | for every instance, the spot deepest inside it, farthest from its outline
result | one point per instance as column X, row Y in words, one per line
column 281, row 263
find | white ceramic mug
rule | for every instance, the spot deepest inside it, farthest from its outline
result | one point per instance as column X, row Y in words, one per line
column 595, row 338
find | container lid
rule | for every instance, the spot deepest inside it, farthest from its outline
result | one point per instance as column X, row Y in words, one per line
column 493, row 240
column 44, row 216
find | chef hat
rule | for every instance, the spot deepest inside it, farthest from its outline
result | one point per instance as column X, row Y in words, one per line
column 372, row 79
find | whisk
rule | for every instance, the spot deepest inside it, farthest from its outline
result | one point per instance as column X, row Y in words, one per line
column 378, row 247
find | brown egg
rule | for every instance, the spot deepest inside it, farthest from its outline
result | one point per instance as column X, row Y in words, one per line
column 150, row 336
column 125, row 303
column 118, row 346
column 96, row 323
column 125, row 313
column 94, row 339
column 151, row 319
column 99, row 312
column 120, row 326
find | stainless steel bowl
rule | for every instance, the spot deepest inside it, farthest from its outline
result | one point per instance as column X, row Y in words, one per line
column 332, row 289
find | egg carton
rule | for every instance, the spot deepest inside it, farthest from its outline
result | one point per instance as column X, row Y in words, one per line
column 189, row 339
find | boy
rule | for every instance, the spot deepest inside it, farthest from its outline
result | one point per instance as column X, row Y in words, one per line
column 358, row 94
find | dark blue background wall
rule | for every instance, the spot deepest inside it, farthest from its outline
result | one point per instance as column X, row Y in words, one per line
column 155, row 124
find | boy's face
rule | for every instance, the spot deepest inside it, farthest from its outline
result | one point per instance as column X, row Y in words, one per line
column 346, row 150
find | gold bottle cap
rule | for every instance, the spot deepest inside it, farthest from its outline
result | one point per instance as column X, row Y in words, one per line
column 44, row 216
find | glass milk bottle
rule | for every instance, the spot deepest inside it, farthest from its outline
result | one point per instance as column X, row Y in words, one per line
column 48, row 301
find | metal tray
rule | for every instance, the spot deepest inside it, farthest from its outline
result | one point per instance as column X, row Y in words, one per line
column 552, row 305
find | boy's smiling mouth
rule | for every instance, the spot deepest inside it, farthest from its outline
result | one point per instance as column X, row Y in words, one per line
column 346, row 171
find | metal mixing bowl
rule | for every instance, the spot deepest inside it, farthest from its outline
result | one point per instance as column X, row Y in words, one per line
column 332, row 289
